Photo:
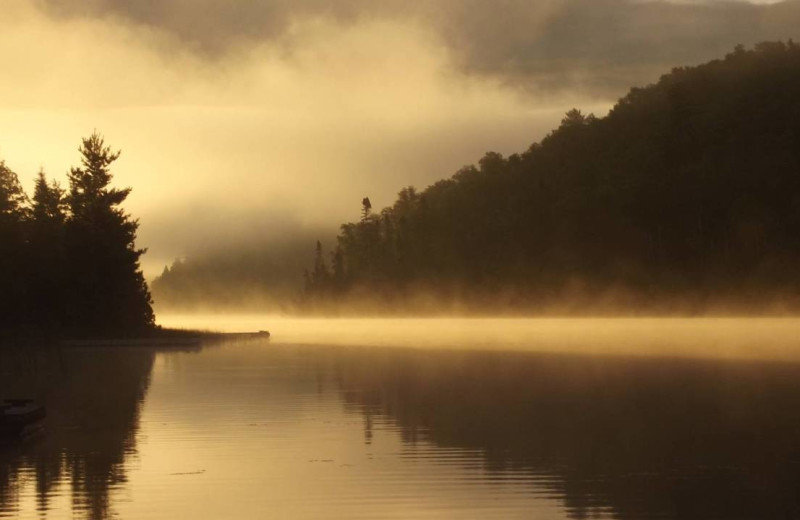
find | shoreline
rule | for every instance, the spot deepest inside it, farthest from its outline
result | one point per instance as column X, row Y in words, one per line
column 190, row 338
column 163, row 337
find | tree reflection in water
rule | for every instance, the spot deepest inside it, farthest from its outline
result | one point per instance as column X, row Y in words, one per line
column 93, row 398
column 610, row 437
column 637, row 437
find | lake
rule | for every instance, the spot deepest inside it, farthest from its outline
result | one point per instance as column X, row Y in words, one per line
column 416, row 418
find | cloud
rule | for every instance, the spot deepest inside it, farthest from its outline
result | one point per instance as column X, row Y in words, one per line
column 265, row 138
column 601, row 47
column 240, row 120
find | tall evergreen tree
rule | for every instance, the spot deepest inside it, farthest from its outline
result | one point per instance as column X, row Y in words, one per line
column 47, row 297
column 49, row 202
column 366, row 208
column 319, row 279
column 13, row 215
column 108, row 292
column 13, row 201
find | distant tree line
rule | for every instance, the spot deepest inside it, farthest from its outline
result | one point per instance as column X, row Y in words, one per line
column 68, row 260
column 688, row 188
column 260, row 273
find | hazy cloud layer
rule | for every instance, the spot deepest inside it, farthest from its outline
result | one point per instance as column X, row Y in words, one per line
column 240, row 120
column 599, row 46
column 258, row 142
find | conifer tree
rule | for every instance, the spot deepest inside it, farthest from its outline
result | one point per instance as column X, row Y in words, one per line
column 366, row 209
column 13, row 215
column 13, row 201
column 49, row 202
column 108, row 293
column 46, row 252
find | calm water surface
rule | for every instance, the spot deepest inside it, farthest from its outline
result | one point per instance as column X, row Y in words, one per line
column 417, row 419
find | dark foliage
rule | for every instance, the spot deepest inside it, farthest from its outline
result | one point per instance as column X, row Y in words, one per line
column 14, row 212
column 689, row 190
column 69, row 263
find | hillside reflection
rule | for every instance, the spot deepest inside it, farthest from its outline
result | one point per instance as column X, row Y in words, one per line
column 93, row 398
column 489, row 433
column 629, row 438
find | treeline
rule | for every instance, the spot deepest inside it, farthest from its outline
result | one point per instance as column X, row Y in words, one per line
column 68, row 260
column 263, row 273
column 688, row 191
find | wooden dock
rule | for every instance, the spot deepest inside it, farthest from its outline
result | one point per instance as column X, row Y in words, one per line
column 175, row 339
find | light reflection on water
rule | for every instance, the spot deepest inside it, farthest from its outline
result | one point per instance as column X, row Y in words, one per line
column 718, row 338
column 289, row 429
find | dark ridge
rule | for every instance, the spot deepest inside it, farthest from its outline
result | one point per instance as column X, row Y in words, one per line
column 684, row 198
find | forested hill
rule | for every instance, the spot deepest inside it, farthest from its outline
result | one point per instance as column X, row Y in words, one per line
column 688, row 192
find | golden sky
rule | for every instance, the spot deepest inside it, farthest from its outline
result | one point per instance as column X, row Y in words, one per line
column 238, row 121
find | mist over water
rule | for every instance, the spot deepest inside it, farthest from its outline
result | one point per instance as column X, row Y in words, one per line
column 712, row 338
column 417, row 418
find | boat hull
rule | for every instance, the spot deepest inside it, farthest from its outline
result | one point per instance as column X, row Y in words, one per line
column 20, row 419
